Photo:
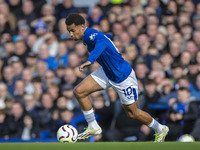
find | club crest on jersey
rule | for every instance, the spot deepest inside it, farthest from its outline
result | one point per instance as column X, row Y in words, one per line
column 92, row 36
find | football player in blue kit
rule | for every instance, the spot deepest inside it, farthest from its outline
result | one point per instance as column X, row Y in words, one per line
column 114, row 72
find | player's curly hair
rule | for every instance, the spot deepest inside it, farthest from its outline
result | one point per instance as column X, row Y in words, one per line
column 74, row 18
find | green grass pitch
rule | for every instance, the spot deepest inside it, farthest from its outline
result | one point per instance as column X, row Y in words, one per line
column 102, row 146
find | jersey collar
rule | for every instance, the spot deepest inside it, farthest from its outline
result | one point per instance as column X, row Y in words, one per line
column 85, row 35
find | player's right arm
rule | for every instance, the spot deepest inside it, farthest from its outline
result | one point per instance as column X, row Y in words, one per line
column 100, row 46
column 96, row 43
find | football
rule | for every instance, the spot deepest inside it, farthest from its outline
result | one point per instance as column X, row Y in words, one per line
column 67, row 134
column 186, row 138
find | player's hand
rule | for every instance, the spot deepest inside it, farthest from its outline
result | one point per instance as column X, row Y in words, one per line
column 86, row 64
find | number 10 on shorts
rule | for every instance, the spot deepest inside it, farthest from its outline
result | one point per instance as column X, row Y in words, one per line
column 130, row 92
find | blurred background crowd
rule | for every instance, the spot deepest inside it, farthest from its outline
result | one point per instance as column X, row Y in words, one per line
column 39, row 66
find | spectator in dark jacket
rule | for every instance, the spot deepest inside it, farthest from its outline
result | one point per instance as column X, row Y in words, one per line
column 62, row 10
column 30, row 130
column 105, row 112
column 196, row 130
column 151, row 96
column 3, row 124
column 15, row 121
column 28, row 13
column 45, row 112
column 182, row 114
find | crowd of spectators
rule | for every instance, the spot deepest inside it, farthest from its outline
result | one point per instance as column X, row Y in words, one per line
column 39, row 66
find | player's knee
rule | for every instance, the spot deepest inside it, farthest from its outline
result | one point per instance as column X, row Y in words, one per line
column 78, row 93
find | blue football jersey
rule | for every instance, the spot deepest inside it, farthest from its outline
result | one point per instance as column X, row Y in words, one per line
column 103, row 50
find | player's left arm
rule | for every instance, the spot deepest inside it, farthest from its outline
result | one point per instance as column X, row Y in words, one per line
column 86, row 64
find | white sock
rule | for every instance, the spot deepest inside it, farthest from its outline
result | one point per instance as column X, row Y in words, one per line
column 93, row 125
column 156, row 126
column 90, row 118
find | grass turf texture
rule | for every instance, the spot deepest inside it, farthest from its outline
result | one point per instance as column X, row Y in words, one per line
column 102, row 146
